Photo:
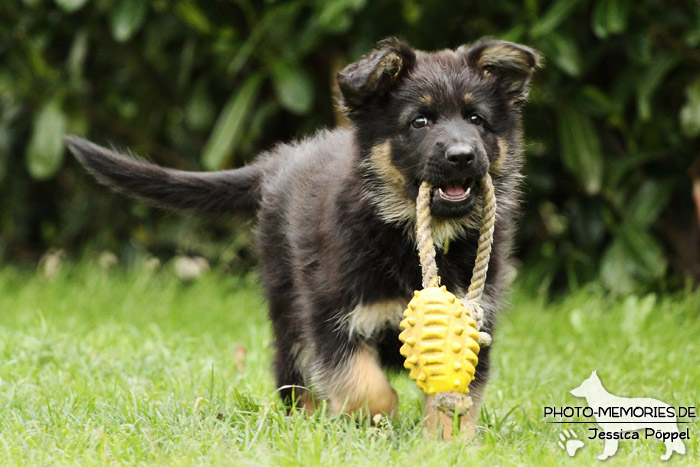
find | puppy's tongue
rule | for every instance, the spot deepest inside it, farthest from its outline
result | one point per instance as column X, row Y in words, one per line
column 453, row 192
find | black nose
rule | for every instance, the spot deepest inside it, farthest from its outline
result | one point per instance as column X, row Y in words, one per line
column 460, row 155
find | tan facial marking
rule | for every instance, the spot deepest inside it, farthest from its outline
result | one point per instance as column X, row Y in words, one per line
column 497, row 165
column 363, row 386
column 467, row 97
column 383, row 165
column 392, row 205
column 389, row 196
column 426, row 99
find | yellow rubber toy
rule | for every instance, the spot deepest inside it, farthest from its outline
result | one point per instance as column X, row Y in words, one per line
column 440, row 342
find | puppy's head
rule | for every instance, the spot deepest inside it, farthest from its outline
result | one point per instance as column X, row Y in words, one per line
column 445, row 117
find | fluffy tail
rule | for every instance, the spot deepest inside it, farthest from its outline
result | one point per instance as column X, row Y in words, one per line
column 225, row 191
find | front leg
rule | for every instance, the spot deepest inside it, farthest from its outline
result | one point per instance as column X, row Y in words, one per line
column 441, row 423
column 438, row 422
column 347, row 354
column 355, row 383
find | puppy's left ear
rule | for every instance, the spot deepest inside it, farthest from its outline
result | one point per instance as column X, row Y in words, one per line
column 376, row 73
column 509, row 64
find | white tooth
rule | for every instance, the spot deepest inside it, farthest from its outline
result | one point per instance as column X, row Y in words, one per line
column 466, row 193
column 440, row 192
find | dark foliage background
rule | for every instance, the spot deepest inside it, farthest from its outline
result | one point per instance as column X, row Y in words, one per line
column 612, row 127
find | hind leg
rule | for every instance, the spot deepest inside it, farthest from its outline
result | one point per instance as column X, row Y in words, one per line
column 291, row 384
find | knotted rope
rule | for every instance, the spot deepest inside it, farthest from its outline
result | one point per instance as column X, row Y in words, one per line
column 453, row 402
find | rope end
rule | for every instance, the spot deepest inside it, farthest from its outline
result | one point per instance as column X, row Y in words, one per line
column 453, row 403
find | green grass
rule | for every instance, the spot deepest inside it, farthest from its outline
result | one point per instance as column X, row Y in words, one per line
column 138, row 368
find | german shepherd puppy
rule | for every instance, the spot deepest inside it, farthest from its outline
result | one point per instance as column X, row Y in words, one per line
column 336, row 212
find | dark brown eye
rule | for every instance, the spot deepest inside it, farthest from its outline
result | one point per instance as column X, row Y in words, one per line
column 475, row 119
column 419, row 122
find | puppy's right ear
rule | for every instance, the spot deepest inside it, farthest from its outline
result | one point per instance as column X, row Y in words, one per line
column 376, row 74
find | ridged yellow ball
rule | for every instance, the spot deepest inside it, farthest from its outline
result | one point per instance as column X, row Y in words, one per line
column 440, row 342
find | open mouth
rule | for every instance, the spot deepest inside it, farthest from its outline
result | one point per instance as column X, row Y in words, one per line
column 453, row 199
column 454, row 192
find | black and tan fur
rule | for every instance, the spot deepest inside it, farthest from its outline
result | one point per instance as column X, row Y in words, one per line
column 336, row 212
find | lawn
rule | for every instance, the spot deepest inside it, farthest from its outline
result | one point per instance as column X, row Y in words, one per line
column 137, row 367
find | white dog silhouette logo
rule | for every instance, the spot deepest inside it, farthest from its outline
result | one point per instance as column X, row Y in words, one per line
column 619, row 415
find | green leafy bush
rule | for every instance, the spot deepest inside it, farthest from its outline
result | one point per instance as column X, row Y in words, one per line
column 612, row 127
